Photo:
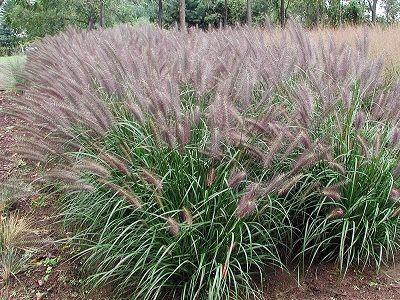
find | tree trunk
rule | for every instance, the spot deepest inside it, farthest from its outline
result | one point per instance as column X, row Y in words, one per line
column 226, row 13
column 160, row 13
column 248, row 15
column 282, row 13
column 102, row 17
column 91, row 23
column 372, row 7
column 182, row 16
column 374, row 11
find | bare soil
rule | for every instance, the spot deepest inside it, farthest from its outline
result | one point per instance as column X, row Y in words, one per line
column 54, row 274
column 322, row 282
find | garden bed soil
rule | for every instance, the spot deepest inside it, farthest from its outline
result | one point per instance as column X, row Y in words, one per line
column 63, row 280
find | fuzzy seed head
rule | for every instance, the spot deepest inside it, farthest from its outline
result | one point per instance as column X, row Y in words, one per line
column 364, row 145
column 332, row 192
column 158, row 199
column 273, row 150
column 359, row 121
column 186, row 216
column 377, row 144
column 64, row 176
column 169, row 137
column 395, row 137
column 93, row 167
column 291, row 182
column 396, row 171
column 395, row 213
column 245, row 208
column 337, row 167
column 115, row 162
column 236, row 178
column 394, row 194
column 304, row 161
column 173, row 227
column 306, row 141
column 274, row 183
column 224, row 269
column 336, row 213
column 247, row 204
column 129, row 196
column 211, row 175
column 152, row 179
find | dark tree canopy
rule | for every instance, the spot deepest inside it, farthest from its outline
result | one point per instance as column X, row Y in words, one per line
column 37, row 18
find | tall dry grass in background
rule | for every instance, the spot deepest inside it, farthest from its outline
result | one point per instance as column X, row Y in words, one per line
column 384, row 42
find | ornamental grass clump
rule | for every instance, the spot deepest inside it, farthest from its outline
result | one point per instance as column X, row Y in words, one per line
column 187, row 162
column 166, row 223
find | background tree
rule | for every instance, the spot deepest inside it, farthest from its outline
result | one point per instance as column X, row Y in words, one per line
column 36, row 20
column 237, row 11
column 391, row 9
column 50, row 16
column 102, row 14
column 372, row 6
column 311, row 13
column 160, row 13
column 353, row 12
column 8, row 37
column 225, row 12
column 182, row 17
column 282, row 15
column 248, row 13
column 334, row 13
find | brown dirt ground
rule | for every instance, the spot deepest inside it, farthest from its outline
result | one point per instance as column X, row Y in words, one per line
column 52, row 273
column 64, row 280
column 323, row 283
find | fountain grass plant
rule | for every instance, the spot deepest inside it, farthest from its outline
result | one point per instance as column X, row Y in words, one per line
column 187, row 162
column 171, row 221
